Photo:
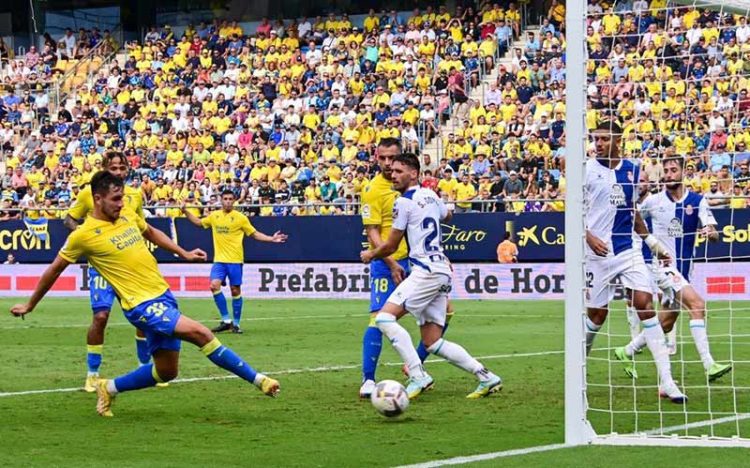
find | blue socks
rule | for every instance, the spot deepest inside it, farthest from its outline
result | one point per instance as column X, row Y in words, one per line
column 94, row 358
column 372, row 344
column 221, row 304
column 236, row 309
column 143, row 377
column 141, row 348
column 422, row 350
column 229, row 360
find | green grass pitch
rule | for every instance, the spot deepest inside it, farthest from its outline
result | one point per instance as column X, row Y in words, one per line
column 313, row 348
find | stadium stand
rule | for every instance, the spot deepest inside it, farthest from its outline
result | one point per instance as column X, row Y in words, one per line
column 289, row 114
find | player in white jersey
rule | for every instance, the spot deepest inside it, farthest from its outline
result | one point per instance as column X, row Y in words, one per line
column 611, row 253
column 677, row 216
column 417, row 214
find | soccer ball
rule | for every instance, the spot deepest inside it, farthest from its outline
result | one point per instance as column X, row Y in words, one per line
column 389, row 398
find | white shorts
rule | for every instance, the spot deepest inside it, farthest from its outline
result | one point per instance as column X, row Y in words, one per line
column 601, row 273
column 424, row 295
column 668, row 279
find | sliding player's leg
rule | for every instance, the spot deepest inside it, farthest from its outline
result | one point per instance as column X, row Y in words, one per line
column 165, row 328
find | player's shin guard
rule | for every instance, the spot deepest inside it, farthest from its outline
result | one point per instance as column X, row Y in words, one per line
column 237, row 309
column 401, row 341
column 422, row 349
column 141, row 348
column 143, row 377
column 221, row 304
column 698, row 330
column 459, row 357
column 94, row 358
column 654, row 335
column 231, row 361
column 591, row 330
column 372, row 344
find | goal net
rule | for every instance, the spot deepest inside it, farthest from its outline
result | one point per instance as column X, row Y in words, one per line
column 665, row 84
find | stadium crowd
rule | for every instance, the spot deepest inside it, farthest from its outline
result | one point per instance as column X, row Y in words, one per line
column 288, row 116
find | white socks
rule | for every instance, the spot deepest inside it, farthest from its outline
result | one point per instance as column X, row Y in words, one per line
column 401, row 341
column 698, row 330
column 634, row 322
column 591, row 330
column 638, row 343
column 654, row 336
column 459, row 357
column 111, row 389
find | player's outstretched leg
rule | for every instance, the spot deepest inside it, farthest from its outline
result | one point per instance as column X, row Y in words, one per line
column 194, row 332
column 372, row 345
column 387, row 322
column 94, row 348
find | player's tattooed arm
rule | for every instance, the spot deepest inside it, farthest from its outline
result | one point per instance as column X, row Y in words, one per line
column 373, row 235
column 71, row 223
column 384, row 249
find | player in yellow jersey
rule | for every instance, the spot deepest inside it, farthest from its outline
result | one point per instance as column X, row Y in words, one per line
column 101, row 294
column 228, row 228
column 377, row 217
column 112, row 239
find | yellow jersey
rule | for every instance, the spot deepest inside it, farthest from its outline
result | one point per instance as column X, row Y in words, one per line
column 228, row 231
column 84, row 204
column 377, row 209
column 118, row 252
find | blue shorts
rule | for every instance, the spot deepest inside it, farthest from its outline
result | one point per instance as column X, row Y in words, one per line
column 101, row 293
column 381, row 283
column 157, row 319
column 220, row 271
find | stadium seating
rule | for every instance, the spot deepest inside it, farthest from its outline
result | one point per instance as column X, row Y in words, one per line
column 268, row 112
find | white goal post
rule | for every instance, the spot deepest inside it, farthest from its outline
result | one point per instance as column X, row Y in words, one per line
column 579, row 429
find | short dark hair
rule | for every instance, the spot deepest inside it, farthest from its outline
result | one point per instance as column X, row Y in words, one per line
column 104, row 181
column 109, row 156
column 679, row 160
column 408, row 159
column 390, row 141
column 227, row 192
column 610, row 126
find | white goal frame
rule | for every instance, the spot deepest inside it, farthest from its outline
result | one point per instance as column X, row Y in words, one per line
column 578, row 430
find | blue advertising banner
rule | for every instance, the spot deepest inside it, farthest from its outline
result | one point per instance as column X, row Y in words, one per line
column 470, row 237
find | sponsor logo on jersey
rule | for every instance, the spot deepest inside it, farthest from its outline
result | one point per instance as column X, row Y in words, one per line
column 675, row 228
column 617, row 197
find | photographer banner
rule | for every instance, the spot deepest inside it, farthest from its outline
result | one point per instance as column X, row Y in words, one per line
column 470, row 237
column 531, row 281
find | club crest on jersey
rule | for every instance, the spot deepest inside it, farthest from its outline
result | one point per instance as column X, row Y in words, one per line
column 617, row 197
column 689, row 210
column 675, row 228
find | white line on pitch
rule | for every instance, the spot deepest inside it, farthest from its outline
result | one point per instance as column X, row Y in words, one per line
column 287, row 372
column 486, row 456
column 291, row 317
column 697, row 424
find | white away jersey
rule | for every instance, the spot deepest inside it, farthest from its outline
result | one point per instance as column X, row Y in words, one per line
column 610, row 196
column 418, row 213
column 676, row 222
